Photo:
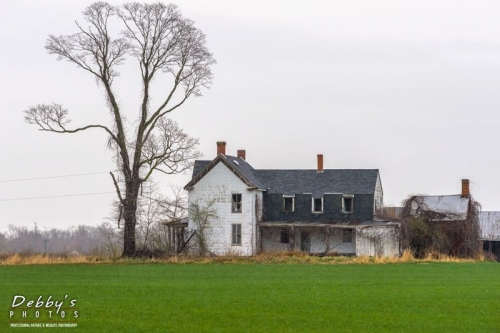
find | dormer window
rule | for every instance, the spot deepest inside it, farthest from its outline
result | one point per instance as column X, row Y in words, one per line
column 317, row 205
column 236, row 203
column 347, row 203
column 288, row 203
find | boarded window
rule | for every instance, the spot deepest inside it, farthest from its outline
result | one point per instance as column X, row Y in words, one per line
column 284, row 236
column 347, row 204
column 236, row 203
column 317, row 205
column 236, row 234
column 347, row 236
column 288, row 204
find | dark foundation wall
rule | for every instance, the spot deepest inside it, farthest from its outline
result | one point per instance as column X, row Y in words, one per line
column 492, row 247
column 332, row 208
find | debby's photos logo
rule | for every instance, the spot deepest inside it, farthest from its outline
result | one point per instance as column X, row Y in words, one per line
column 43, row 312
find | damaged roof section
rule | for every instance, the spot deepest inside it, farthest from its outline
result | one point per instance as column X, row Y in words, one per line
column 440, row 208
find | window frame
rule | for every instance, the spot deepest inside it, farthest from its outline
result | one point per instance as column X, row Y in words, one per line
column 285, row 197
column 235, row 233
column 234, row 207
column 347, row 235
column 313, row 206
column 351, row 198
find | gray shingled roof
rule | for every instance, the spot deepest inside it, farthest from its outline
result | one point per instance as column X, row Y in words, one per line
column 242, row 166
column 198, row 166
column 351, row 181
column 246, row 170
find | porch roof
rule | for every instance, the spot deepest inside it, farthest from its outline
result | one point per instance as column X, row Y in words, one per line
column 329, row 224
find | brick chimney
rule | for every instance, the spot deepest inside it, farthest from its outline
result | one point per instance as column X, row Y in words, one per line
column 221, row 147
column 241, row 153
column 320, row 162
column 465, row 188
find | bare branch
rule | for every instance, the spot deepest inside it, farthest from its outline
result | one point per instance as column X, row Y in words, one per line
column 117, row 188
column 192, row 69
column 170, row 150
column 92, row 48
column 52, row 118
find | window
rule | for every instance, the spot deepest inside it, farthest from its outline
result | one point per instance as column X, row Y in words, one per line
column 284, row 236
column 347, row 236
column 347, row 203
column 305, row 241
column 317, row 205
column 236, row 203
column 288, row 204
column 236, row 234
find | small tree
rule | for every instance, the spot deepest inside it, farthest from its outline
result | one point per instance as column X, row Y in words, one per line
column 154, row 209
column 162, row 42
column 201, row 215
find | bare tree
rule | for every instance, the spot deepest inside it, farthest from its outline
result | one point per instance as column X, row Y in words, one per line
column 154, row 209
column 162, row 42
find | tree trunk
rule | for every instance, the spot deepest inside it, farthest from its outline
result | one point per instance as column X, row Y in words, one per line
column 130, row 217
column 129, row 232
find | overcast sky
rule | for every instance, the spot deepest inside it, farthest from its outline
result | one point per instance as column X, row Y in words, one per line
column 411, row 88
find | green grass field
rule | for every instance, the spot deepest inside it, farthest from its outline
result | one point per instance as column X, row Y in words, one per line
column 423, row 297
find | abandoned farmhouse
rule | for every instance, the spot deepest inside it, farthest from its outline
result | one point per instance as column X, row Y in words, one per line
column 317, row 211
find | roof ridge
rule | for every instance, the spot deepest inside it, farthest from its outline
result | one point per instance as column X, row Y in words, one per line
column 317, row 170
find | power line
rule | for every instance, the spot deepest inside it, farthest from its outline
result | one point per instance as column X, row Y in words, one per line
column 50, row 177
column 57, row 196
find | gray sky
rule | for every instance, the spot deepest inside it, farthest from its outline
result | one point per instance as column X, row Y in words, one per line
column 408, row 87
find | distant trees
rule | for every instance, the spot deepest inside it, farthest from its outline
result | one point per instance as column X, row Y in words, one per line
column 106, row 239
column 160, row 41
column 3, row 243
column 102, row 240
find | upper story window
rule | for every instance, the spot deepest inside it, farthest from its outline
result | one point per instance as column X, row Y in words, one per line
column 236, row 203
column 317, row 205
column 347, row 203
column 288, row 204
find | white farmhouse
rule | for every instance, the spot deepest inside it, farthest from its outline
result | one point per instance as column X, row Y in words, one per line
column 317, row 211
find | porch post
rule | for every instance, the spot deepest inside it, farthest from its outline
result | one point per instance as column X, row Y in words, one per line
column 327, row 240
column 292, row 239
column 169, row 236
column 259, row 239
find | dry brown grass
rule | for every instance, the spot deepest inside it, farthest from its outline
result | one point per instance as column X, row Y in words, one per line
column 302, row 258
column 436, row 256
column 43, row 259
column 263, row 258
